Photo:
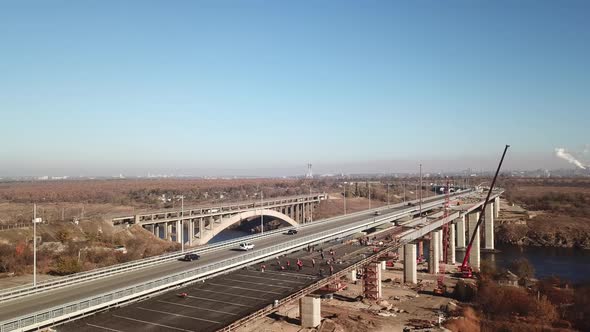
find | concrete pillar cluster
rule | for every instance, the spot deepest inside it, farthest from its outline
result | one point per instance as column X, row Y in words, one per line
column 475, row 254
column 310, row 311
column 434, row 257
column 410, row 265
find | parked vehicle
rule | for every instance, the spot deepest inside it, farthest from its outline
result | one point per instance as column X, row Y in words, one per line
column 246, row 246
column 190, row 257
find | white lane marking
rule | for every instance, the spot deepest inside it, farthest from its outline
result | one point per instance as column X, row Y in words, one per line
column 240, row 305
column 179, row 315
column 257, row 283
column 195, row 307
column 266, row 278
column 103, row 328
column 291, row 275
column 150, row 323
column 248, row 289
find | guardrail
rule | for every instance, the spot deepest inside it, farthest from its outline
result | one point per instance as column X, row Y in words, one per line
column 81, row 277
column 114, row 298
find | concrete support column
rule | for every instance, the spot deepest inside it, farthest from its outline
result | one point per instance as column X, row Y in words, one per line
column 383, row 265
column 298, row 213
column 304, row 213
column 179, row 226
column 434, row 257
column 460, row 232
column 420, row 248
column 400, row 252
column 497, row 207
column 451, row 255
column 440, row 244
column 201, row 227
column 475, row 254
column 191, row 231
column 353, row 276
column 166, row 231
column 489, row 227
column 310, row 311
column 157, row 230
column 410, row 265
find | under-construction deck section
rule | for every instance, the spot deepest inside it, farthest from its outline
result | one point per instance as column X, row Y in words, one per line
column 207, row 306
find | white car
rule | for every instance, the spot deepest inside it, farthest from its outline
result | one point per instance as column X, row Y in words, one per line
column 246, row 246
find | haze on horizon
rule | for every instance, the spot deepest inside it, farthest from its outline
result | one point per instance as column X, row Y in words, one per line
column 263, row 88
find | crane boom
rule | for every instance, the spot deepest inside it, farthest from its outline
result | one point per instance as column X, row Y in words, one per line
column 468, row 250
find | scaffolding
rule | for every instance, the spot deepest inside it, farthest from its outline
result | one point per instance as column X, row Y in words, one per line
column 372, row 281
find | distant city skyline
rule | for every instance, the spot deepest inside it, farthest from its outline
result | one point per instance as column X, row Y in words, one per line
column 262, row 88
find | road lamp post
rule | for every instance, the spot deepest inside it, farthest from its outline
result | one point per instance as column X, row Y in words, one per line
column 388, row 194
column 369, row 195
column 420, row 190
column 181, row 230
column 261, row 214
column 35, row 222
column 344, row 199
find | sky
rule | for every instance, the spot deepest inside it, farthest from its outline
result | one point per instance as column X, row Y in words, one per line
column 261, row 87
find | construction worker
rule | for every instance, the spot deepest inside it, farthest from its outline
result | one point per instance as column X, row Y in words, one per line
column 323, row 256
column 331, row 269
column 262, row 268
column 313, row 263
column 288, row 265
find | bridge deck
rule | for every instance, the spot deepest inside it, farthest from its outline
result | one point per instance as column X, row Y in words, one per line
column 222, row 300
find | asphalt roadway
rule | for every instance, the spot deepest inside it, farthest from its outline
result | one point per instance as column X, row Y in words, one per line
column 30, row 304
column 219, row 301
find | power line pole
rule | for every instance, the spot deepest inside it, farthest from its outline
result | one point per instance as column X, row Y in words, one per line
column 388, row 194
column 35, row 221
column 369, row 195
column 181, row 231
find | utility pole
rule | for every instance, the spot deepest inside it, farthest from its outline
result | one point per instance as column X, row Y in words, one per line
column 261, row 214
column 388, row 194
column 420, row 190
column 310, row 210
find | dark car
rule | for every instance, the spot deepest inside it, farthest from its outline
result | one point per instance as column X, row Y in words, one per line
column 292, row 232
column 190, row 257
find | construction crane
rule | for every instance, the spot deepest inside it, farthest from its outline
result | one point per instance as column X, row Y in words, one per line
column 441, row 289
column 467, row 271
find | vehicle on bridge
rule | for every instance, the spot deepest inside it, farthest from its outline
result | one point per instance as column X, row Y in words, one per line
column 246, row 246
column 377, row 213
column 291, row 232
column 190, row 257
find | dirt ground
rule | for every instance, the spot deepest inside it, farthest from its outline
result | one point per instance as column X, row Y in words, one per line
column 344, row 313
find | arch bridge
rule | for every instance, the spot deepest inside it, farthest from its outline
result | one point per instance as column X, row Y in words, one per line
column 201, row 224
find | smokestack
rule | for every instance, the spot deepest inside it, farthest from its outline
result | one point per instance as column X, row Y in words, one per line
column 561, row 153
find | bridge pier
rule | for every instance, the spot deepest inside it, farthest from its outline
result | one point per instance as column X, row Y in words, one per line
column 434, row 255
column 179, row 231
column 298, row 213
column 310, row 311
column 451, row 255
column 489, row 226
column 497, row 207
column 461, row 232
column 157, row 230
column 420, row 248
column 410, row 265
column 474, row 255
column 191, row 231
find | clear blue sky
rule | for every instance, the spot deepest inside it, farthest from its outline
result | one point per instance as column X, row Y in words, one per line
column 109, row 87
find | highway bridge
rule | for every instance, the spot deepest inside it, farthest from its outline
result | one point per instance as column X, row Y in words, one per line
column 198, row 225
column 83, row 296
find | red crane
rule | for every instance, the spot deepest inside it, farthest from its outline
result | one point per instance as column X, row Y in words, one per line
column 467, row 271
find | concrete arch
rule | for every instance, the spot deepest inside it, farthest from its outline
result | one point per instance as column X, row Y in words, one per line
column 226, row 222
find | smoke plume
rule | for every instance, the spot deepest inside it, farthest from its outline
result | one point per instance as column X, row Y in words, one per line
column 561, row 153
